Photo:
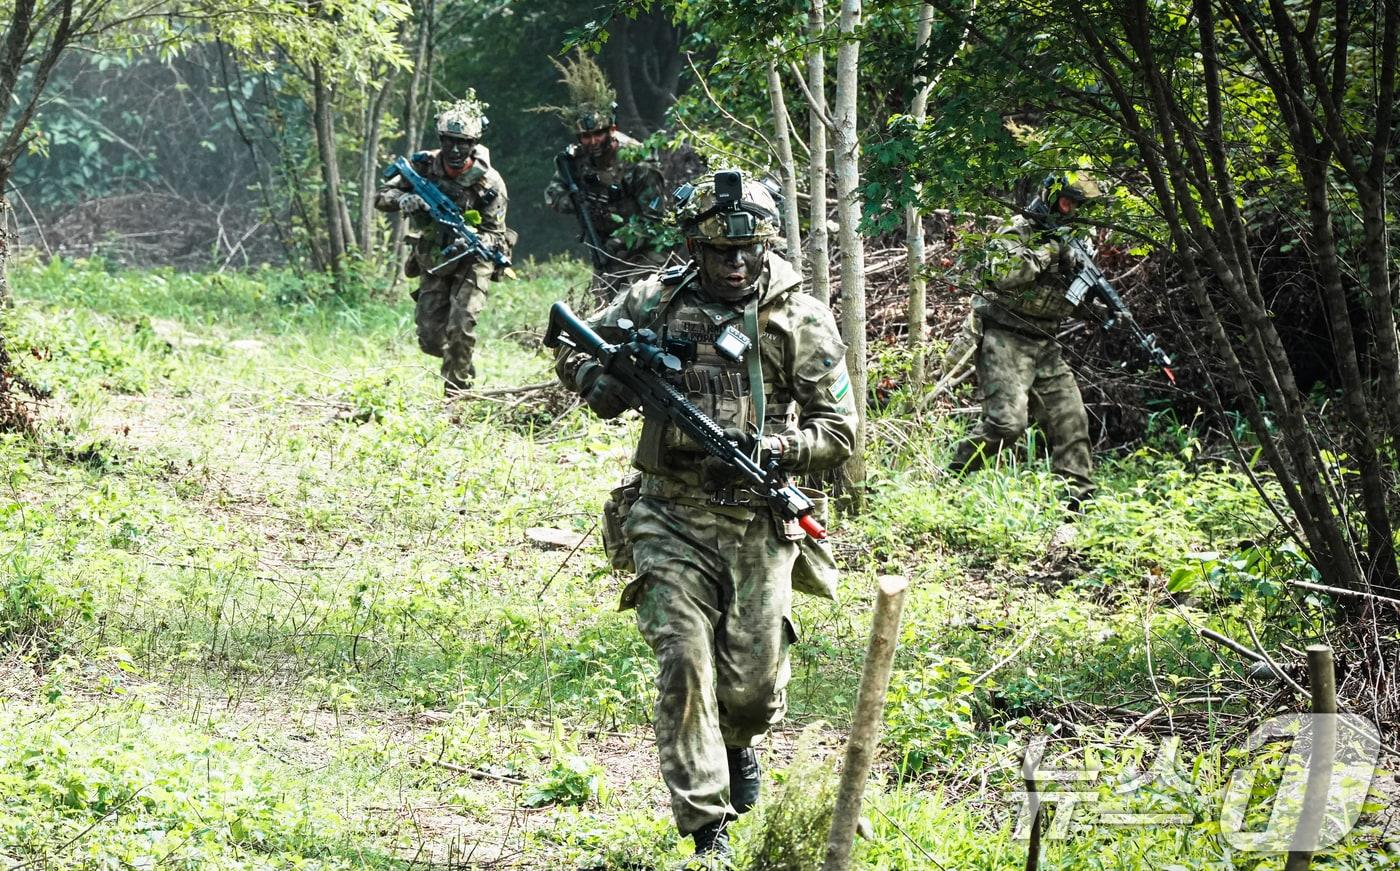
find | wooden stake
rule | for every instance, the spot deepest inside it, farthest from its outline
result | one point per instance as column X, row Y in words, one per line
column 865, row 727
column 1321, row 760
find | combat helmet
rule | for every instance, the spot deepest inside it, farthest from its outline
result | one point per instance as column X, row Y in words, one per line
column 464, row 118
column 592, row 103
column 727, row 209
column 1079, row 187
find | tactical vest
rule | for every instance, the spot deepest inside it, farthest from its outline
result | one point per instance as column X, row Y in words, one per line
column 1038, row 307
column 718, row 386
column 468, row 190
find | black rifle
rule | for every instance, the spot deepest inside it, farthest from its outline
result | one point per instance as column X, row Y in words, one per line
column 464, row 241
column 1089, row 283
column 564, row 162
column 643, row 365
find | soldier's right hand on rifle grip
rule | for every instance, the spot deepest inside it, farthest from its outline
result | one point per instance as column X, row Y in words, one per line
column 410, row 203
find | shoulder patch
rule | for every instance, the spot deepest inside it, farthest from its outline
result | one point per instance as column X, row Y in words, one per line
column 841, row 386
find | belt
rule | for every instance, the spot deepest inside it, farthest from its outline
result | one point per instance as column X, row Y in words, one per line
column 733, row 496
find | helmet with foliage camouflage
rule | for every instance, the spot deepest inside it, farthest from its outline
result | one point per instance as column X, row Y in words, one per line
column 727, row 208
column 588, row 117
column 464, row 118
column 592, row 103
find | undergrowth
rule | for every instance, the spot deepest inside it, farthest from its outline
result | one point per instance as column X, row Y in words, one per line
column 249, row 539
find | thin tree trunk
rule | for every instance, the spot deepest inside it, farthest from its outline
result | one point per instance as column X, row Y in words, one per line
column 411, row 134
column 369, row 164
column 913, row 221
column 783, row 141
column 818, row 245
column 323, row 121
column 7, row 239
column 847, row 147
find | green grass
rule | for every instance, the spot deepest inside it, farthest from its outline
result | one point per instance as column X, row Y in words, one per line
column 250, row 539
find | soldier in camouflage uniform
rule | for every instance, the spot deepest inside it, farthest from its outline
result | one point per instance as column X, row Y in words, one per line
column 449, row 301
column 624, row 192
column 714, row 567
column 1020, row 370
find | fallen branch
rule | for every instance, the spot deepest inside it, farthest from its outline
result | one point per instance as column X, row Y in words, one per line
column 507, row 391
column 476, row 773
column 1253, row 656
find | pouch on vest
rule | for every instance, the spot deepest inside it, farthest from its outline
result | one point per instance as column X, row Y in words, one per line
column 615, row 511
column 815, row 572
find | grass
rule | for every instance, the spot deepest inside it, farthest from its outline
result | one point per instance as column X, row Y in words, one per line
column 252, row 543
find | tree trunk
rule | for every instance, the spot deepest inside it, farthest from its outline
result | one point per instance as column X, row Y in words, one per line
column 332, row 207
column 369, row 165
column 914, row 224
column 783, row 141
column 411, row 133
column 818, row 246
column 847, row 147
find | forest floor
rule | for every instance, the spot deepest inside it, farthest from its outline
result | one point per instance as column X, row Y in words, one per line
column 267, row 601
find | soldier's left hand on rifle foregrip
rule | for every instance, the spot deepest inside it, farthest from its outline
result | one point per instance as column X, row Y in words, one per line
column 410, row 203
column 606, row 395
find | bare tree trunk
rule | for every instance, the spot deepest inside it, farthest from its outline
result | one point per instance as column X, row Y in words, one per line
column 818, row 246
column 7, row 239
column 411, row 133
column 914, row 224
column 332, row 207
column 847, row 148
column 369, row 164
column 783, row 141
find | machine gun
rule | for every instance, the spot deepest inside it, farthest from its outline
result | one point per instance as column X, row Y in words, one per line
column 1090, row 282
column 464, row 241
column 565, row 164
column 643, row 364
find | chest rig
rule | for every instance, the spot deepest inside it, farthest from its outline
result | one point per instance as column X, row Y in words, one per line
column 468, row 190
column 720, row 386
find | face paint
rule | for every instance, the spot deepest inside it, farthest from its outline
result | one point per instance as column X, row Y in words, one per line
column 596, row 142
column 456, row 154
column 729, row 272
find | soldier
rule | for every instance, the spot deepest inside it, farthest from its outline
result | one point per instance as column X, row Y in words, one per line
column 448, row 301
column 714, row 567
column 1020, row 370
column 622, row 194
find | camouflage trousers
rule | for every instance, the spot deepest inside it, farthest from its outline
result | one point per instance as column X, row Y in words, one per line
column 713, row 596
column 1023, row 378
column 445, row 314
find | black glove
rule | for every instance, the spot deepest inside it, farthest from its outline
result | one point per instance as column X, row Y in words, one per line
column 716, row 473
column 606, row 395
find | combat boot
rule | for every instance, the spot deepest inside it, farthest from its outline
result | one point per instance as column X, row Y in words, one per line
column 744, row 773
column 711, row 839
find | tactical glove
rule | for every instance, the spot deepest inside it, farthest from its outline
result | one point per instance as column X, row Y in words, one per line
column 716, row 473
column 606, row 395
column 410, row 203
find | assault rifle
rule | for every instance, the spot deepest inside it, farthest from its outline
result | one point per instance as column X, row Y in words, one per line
column 465, row 242
column 643, row 364
column 1089, row 283
column 564, row 162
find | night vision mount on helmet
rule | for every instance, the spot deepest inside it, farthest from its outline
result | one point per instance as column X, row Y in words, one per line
column 727, row 207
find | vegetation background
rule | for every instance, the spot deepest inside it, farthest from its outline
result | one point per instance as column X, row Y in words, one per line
column 267, row 602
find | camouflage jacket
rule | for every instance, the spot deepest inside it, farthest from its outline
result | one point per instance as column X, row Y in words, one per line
column 478, row 189
column 1025, row 274
column 808, row 401
column 625, row 188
